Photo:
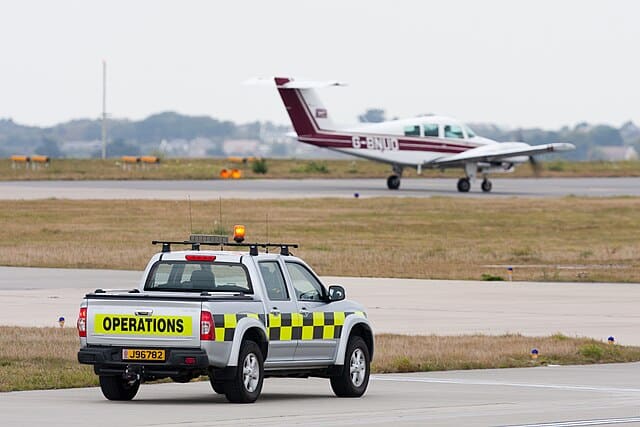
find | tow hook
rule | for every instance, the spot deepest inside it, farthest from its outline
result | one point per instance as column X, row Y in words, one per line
column 132, row 375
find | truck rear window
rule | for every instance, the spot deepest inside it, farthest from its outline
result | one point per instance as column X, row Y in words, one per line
column 184, row 276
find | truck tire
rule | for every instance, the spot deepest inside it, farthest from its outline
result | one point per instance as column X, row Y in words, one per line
column 354, row 378
column 116, row 388
column 246, row 384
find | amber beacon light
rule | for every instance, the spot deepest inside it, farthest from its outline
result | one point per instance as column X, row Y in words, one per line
column 238, row 233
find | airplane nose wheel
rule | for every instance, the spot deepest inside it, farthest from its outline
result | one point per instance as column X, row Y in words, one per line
column 464, row 185
column 393, row 182
column 486, row 185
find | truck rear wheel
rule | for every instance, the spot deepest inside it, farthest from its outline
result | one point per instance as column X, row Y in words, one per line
column 353, row 380
column 117, row 388
column 246, row 384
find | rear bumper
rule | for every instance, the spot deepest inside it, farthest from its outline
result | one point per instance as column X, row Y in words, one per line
column 108, row 361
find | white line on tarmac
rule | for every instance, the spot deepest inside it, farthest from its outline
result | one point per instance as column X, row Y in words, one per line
column 601, row 422
column 506, row 384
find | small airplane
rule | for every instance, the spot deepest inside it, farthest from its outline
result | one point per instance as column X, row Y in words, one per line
column 433, row 142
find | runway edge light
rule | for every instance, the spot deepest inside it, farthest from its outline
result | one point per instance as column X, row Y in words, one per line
column 611, row 339
column 534, row 353
column 61, row 321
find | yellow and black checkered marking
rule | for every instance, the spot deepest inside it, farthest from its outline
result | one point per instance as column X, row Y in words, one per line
column 315, row 326
column 225, row 324
column 288, row 326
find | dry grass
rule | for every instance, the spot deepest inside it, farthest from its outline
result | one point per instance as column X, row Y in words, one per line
column 45, row 358
column 402, row 353
column 566, row 239
column 41, row 358
column 75, row 169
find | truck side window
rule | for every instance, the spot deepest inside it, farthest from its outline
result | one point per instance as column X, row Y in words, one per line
column 307, row 287
column 274, row 281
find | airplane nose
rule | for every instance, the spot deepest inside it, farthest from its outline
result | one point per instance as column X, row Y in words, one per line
column 564, row 146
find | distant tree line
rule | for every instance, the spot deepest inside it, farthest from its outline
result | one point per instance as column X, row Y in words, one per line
column 127, row 137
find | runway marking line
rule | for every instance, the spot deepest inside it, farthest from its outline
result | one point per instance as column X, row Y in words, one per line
column 507, row 384
column 601, row 422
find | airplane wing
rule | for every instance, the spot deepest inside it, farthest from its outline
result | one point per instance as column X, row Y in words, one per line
column 500, row 151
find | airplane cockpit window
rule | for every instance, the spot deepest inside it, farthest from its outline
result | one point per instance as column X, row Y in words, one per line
column 412, row 130
column 430, row 129
column 453, row 131
column 470, row 133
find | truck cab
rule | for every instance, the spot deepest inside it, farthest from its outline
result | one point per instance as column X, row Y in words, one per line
column 237, row 317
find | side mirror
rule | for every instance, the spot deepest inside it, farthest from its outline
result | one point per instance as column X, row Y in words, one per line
column 336, row 293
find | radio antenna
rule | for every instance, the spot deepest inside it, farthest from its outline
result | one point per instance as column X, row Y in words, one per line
column 266, row 220
column 220, row 214
column 190, row 215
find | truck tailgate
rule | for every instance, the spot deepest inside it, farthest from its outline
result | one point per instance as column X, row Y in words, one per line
column 145, row 322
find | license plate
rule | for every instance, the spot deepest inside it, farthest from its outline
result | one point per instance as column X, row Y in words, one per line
column 142, row 354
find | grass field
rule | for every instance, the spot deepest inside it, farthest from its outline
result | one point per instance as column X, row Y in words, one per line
column 45, row 358
column 564, row 239
column 74, row 169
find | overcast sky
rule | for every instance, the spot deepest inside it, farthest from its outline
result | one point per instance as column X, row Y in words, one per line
column 543, row 63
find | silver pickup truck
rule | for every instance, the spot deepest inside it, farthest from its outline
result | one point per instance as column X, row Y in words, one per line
column 237, row 317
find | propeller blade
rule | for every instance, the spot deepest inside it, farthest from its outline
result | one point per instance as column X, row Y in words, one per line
column 536, row 167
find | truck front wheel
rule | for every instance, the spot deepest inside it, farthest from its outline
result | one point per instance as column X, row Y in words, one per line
column 353, row 380
column 117, row 388
column 246, row 384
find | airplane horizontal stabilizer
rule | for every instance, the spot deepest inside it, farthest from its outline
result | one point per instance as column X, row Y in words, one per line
column 294, row 84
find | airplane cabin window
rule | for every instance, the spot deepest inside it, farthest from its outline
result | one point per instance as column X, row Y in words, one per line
column 412, row 130
column 453, row 131
column 430, row 129
column 470, row 133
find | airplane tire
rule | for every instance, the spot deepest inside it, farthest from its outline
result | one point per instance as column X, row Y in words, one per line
column 486, row 185
column 464, row 185
column 393, row 182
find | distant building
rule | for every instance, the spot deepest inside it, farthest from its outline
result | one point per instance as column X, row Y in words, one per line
column 241, row 147
column 617, row 153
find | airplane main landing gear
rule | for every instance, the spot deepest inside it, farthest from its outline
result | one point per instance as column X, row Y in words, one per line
column 486, row 185
column 393, row 182
column 464, row 185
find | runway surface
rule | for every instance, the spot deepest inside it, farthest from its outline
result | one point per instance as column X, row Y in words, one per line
column 38, row 296
column 279, row 188
column 543, row 396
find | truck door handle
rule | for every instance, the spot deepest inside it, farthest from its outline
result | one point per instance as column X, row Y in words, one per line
column 275, row 311
column 304, row 311
column 143, row 312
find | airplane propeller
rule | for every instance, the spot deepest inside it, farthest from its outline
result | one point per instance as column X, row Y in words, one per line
column 536, row 166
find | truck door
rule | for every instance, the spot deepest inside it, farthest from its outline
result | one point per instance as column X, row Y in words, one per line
column 317, row 340
column 280, row 307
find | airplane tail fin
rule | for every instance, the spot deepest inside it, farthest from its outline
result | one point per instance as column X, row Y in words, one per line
column 307, row 113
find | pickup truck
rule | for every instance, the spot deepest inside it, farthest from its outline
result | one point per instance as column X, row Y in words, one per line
column 233, row 316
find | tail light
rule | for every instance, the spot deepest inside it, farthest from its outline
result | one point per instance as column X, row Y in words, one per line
column 82, row 322
column 209, row 258
column 207, row 328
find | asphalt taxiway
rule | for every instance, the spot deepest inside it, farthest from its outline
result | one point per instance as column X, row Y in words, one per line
column 38, row 296
column 541, row 396
column 305, row 188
